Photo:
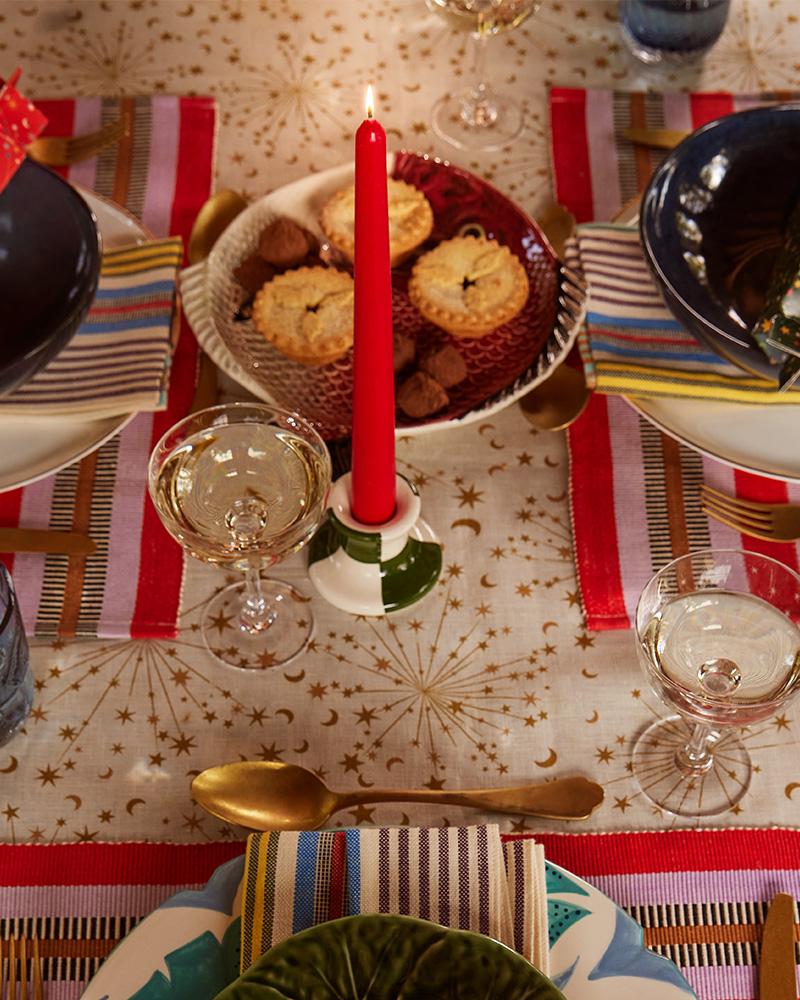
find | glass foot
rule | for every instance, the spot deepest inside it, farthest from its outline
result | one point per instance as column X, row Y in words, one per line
column 679, row 791
column 237, row 646
column 503, row 120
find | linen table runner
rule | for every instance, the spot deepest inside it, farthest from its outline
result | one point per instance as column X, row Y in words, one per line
column 460, row 877
column 162, row 173
column 634, row 491
column 700, row 896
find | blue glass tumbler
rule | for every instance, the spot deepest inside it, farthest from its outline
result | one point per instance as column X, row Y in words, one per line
column 16, row 680
column 672, row 32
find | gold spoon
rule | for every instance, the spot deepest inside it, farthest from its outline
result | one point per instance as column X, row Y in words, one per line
column 269, row 795
column 212, row 220
column 558, row 401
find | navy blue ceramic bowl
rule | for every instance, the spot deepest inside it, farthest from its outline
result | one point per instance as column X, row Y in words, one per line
column 49, row 267
column 712, row 223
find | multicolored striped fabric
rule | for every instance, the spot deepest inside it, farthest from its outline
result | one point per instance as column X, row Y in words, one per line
column 700, row 895
column 633, row 490
column 632, row 345
column 162, row 172
column 118, row 361
column 460, row 877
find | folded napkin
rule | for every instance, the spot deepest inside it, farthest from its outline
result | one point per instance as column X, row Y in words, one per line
column 632, row 345
column 118, row 361
column 460, row 877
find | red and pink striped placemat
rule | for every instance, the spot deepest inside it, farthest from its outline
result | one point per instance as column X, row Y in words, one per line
column 634, row 491
column 161, row 172
column 700, row 895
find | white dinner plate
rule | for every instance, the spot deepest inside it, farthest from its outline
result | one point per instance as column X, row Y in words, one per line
column 185, row 947
column 761, row 439
column 35, row 447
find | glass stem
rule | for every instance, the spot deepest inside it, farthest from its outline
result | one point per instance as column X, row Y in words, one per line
column 695, row 757
column 257, row 614
column 477, row 107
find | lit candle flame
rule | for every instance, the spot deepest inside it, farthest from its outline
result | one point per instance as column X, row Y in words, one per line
column 369, row 103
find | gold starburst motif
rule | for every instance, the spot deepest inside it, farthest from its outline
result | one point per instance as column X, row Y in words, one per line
column 409, row 691
column 114, row 63
column 754, row 56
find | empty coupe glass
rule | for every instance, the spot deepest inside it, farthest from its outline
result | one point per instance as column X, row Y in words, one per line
column 718, row 638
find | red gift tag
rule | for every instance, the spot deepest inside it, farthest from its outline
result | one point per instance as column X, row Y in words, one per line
column 20, row 123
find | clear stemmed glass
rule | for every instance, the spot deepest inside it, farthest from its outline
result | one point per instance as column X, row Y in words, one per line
column 718, row 637
column 479, row 118
column 242, row 486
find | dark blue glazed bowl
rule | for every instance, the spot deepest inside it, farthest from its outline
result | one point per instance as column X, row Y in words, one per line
column 49, row 268
column 712, row 223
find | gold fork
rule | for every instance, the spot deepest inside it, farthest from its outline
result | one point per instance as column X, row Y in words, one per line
column 772, row 522
column 24, row 977
column 62, row 150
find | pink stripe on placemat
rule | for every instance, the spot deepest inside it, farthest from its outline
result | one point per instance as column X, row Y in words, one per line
column 603, row 160
column 117, row 900
column 88, row 118
column 723, row 983
column 664, row 888
column 29, row 567
column 162, row 168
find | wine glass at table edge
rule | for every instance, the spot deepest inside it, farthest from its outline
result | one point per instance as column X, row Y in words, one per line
column 718, row 637
column 241, row 486
column 478, row 117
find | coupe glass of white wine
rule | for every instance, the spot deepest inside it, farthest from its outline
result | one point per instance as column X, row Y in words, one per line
column 241, row 486
column 477, row 117
column 718, row 637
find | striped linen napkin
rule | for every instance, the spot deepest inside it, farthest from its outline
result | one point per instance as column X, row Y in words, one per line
column 118, row 361
column 632, row 345
column 465, row 878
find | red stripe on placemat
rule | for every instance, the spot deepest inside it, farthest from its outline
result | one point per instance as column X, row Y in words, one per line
column 570, row 150
column 763, row 490
column 706, row 107
column 336, row 886
column 60, row 121
column 162, row 560
column 593, row 518
column 10, row 505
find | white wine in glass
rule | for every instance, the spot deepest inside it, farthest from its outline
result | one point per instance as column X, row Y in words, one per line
column 478, row 118
column 719, row 638
column 242, row 486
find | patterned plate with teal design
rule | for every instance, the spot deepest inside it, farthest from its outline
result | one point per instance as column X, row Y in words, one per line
column 188, row 949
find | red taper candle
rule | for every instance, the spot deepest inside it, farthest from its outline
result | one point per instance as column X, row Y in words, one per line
column 373, row 498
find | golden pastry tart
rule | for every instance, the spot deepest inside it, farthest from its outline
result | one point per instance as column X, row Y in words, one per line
column 410, row 220
column 307, row 314
column 469, row 286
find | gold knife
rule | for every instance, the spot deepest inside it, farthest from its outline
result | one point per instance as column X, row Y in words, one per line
column 70, row 543
column 776, row 968
column 657, row 138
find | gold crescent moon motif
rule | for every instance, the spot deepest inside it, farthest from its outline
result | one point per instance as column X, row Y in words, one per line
column 495, row 445
column 302, row 748
column 549, row 760
column 132, row 805
column 76, row 800
column 485, row 582
column 364, row 783
column 314, row 38
column 411, row 88
column 588, row 674
column 405, row 820
column 195, row 772
column 295, row 678
column 186, row 13
column 548, row 461
column 485, row 427
column 559, row 498
column 496, row 468
column 392, row 761
column 790, row 788
column 548, row 625
column 467, row 522
column 334, row 718
column 13, row 764
column 108, row 772
column 394, row 131
column 287, row 713
column 594, row 717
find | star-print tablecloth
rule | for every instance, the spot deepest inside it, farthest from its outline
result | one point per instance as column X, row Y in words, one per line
column 493, row 679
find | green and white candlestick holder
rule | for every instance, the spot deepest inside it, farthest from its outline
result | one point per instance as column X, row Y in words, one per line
column 374, row 569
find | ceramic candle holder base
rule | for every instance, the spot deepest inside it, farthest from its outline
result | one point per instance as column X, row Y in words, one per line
column 374, row 569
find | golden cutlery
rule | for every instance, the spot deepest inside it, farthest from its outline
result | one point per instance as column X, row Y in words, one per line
column 777, row 979
column 656, row 138
column 22, row 972
column 212, row 220
column 61, row 150
column 558, row 224
column 270, row 795
column 71, row 543
column 772, row 522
